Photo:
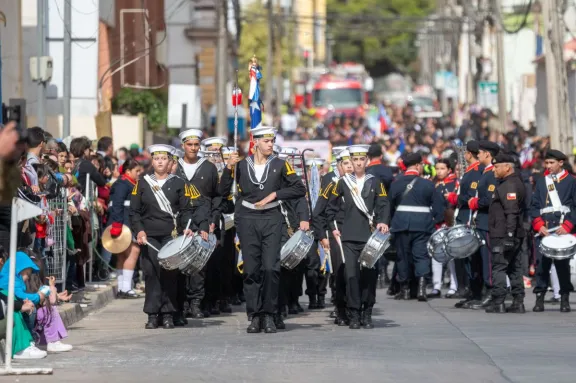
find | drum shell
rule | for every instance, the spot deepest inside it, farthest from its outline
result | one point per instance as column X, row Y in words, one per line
column 565, row 251
column 436, row 246
column 296, row 249
column 461, row 242
column 180, row 257
column 201, row 255
column 374, row 249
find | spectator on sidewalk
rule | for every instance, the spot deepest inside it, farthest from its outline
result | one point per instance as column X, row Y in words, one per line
column 80, row 149
column 36, row 144
column 105, row 147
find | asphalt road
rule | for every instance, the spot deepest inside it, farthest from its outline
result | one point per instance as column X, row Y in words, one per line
column 412, row 342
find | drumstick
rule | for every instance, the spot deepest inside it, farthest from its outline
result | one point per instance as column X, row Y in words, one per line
column 184, row 237
column 340, row 243
column 551, row 231
column 148, row 244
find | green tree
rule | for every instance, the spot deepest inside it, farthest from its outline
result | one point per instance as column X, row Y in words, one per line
column 254, row 41
column 153, row 104
column 363, row 30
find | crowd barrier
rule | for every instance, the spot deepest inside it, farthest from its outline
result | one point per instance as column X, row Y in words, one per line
column 55, row 261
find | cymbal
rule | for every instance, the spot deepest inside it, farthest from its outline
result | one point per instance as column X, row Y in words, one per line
column 119, row 244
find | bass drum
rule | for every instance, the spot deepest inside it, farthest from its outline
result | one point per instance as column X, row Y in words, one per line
column 296, row 249
column 461, row 242
column 374, row 249
column 435, row 246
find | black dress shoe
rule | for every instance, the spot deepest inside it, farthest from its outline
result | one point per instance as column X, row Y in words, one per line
column 435, row 294
column 333, row 314
column 152, row 322
column 179, row 320
column 269, row 325
column 354, row 317
column 517, row 306
column 167, row 321
column 214, row 309
column 254, row 327
column 321, row 304
column 565, row 303
column 194, row 311
column 342, row 318
column 539, row 305
column 225, row 306
column 422, row 297
column 494, row 308
column 464, row 303
column 293, row 309
column 367, row 319
column 404, row 294
column 312, row 303
column 279, row 322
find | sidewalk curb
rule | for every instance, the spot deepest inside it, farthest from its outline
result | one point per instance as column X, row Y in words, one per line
column 71, row 313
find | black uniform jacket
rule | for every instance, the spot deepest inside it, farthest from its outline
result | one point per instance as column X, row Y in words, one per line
column 119, row 205
column 565, row 185
column 356, row 227
column 468, row 189
column 186, row 202
column 319, row 221
column 205, row 179
column 423, row 196
column 486, row 187
column 446, row 186
column 383, row 172
column 505, row 213
column 278, row 177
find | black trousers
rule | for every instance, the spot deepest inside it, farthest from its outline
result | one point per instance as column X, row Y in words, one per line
column 479, row 267
column 411, row 252
column 260, row 239
column 161, row 285
column 290, row 285
column 338, row 273
column 360, row 283
column 227, row 265
column 312, row 270
column 212, row 277
column 506, row 263
column 544, row 264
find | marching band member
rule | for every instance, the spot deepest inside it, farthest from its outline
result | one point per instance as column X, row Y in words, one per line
column 263, row 180
column 481, row 262
column 366, row 204
column 202, row 175
column 446, row 182
column 553, row 204
column 321, row 230
column 468, row 187
column 417, row 208
column 118, row 216
column 160, row 208
column 506, row 232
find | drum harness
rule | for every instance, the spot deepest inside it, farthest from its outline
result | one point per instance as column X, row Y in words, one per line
column 163, row 202
column 554, row 200
column 357, row 198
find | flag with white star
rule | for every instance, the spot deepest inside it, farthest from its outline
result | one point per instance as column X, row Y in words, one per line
column 254, row 101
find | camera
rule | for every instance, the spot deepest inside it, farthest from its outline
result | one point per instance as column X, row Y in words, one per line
column 16, row 111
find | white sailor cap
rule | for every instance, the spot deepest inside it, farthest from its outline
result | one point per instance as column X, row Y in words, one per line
column 200, row 153
column 343, row 155
column 358, row 149
column 227, row 150
column 338, row 149
column 215, row 141
column 161, row 149
column 190, row 134
column 315, row 162
column 289, row 151
column 277, row 148
column 264, row 132
column 178, row 153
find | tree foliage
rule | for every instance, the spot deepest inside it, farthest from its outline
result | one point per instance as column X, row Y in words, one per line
column 153, row 104
column 254, row 41
column 363, row 30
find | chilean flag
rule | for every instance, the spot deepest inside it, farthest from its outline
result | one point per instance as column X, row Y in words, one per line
column 385, row 121
column 255, row 102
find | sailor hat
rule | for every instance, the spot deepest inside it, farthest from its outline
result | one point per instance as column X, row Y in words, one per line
column 215, row 141
column 161, row 149
column 289, row 151
column 264, row 132
column 358, row 149
column 343, row 155
column 315, row 162
column 277, row 148
column 190, row 134
column 338, row 149
column 226, row 151
column 178, row 153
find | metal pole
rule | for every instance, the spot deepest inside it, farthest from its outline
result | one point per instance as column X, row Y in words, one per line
column 279, row 78
column 67, row 89
column 502, row 109
column 40, row 17
column 269, row 63
column 184, row 122
column 314, row 27
column 221, row 72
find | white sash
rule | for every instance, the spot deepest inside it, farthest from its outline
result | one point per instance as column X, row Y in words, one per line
column 357, row 196
column 553, row 192
column 182, row 163
column 163, row 202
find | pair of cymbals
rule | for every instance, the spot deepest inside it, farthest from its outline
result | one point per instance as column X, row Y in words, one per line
column 117, row 245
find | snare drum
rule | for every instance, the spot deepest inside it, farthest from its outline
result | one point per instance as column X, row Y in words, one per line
column 461, row 242
column 374, row 249
column 174, row 255
column 436, row 247
column 202, row 252
column 296, row 249
column 558, row 246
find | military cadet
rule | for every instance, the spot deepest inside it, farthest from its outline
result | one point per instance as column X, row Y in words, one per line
column 481, row 262
column 366, row 206
column 417, row 207
column 467, row 189
column 263, row 180
column 553, row 205
column 323, row 233
column 161, row 206
column 446, row 182
column 506, row 230
column 203, row 175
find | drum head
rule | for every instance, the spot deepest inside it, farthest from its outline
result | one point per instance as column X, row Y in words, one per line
column 173, row 247
column 559, row 242
column 460, row 242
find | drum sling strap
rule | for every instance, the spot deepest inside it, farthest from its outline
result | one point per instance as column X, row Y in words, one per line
column 163, row 202
column 285, row 214
column 357, row 197
column 555, row 198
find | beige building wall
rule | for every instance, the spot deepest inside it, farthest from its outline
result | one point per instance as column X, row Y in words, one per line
column 304, row 12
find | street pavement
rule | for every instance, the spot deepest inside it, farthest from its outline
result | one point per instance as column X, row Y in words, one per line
column 412, row 342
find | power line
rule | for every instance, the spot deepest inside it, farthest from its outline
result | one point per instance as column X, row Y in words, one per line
column 522, row 24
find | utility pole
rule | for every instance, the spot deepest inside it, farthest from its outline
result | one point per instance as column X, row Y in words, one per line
column 557, row 83
column 269, row 63
column 278, row 49
column 314, row 27
column 502, row 110
column 41, row 102
column 221, row 72
column 67, row 89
